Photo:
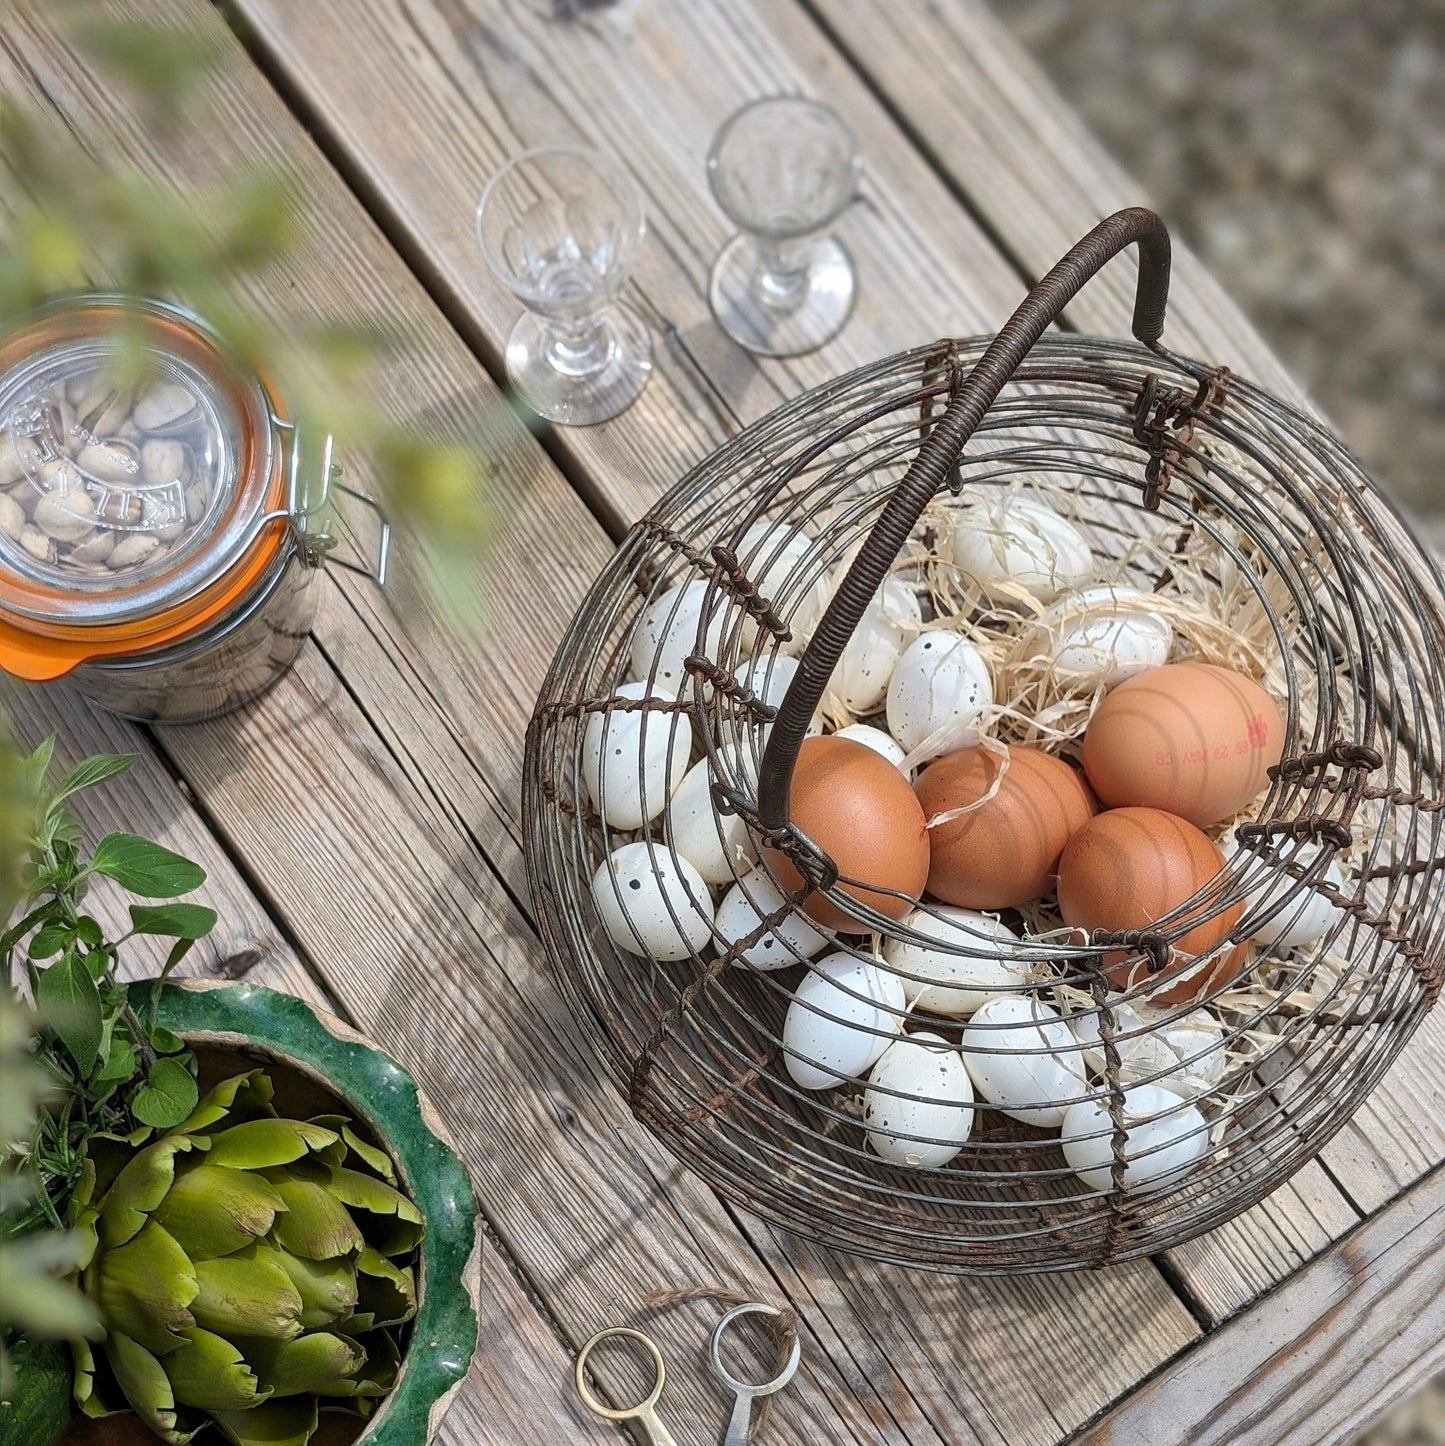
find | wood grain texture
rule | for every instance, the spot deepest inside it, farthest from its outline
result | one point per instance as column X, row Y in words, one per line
column 380, row 876
column 1030, row 170
column 472, row 82
column 1036, row 178
column 616, row 80
column 1318, row 1359
column 150, row 800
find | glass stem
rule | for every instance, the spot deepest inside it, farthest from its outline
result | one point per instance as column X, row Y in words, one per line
column 781, row 279
column 579, row 346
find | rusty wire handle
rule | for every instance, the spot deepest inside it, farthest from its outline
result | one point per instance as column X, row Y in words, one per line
column 926, row 474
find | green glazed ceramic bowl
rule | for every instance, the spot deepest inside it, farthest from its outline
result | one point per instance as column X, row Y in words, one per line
column 244, row 1025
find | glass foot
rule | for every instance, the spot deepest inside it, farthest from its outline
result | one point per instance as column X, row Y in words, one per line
column 786, row 322
column 579, row 400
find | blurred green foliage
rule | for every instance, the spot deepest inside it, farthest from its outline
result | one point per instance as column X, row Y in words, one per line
column 34, row 1297
column 73, row 217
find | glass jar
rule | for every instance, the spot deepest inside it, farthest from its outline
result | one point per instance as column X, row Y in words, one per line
column 161, row 520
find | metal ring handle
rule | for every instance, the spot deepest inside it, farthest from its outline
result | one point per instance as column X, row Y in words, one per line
column 746, row 1388
column 614, row 1413
column 928, row 470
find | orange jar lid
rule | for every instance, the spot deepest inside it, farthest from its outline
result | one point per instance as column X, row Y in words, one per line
column 132, row 511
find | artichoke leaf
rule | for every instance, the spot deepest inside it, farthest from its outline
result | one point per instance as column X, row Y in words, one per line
column 210, row 1374
column 316, row 1224
column 396, row 1228
column 327, row 1287
column 139, row 1188
column 237, row 1099
column 263, row 1144
column 375, row 1378
column 386, row 1293
column 93, row 1390
column 247, row 1294
column 145, row 1288
column 376, row 1160
column 143, row 1381
column 290, row 1422
column 216, row 1210
column 310, row 1363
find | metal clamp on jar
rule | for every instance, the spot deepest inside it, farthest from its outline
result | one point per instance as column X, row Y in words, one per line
column 158, row 539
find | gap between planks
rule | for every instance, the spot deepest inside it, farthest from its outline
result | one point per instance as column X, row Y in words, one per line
column 305, row 735
column 459, row 63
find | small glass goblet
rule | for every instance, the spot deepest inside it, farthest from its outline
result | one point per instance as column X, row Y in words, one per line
column 561, row 228
column 783, row 169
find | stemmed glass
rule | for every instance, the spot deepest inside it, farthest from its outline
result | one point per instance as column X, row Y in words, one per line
column 561, row 228
column 783, row 169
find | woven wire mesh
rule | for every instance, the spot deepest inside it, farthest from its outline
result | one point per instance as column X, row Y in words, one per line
column 1152, row 455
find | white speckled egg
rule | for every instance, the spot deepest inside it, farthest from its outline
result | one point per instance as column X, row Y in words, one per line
column 929, row 1128
column 771, row 553
column 1024, row 1059
column 1185, row 1054
column 938, row 696
column 633, row 761
column 744, row 907
column 652, row 903
column 769, row 678
column 716, row 844
column 1164, row 1139
column 1101, row 635
column 1010, row 538
column 861, row 678
column 1307, row 917
column 844, row 1014
column 878, row 741
column 666, row 634
column 949, row 983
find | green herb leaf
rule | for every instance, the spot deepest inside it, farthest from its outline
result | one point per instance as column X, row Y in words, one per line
column 120, row 1065
column 173, row 921
column 70, row 1002
column 89, row 932
column 49, row 941
column 38, row 764
column 144, row 867
column 168, row 1095
column 91, row 771
column 166, row 1041
column 182, row 948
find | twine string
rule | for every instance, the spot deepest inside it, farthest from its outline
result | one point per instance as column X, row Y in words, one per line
column 781, row 1328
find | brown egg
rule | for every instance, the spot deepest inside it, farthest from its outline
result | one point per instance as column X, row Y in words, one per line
column 1126, row 869
column 860, row 810
column 1190, row 738
column 1004, row 852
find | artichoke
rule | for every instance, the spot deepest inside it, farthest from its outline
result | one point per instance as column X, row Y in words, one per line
column 250, row 1270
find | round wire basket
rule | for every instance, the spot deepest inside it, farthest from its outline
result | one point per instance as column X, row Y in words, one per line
column 1276, row 555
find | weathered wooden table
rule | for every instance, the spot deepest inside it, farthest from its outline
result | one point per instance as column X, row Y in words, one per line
column 360, row 824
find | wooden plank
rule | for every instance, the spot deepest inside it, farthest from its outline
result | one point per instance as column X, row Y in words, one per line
column 246, row 945
column 415, row 930
column 1037, row 178
column 473, row 82
column 1028, row 167
column 1318, row 1359
column 517, row 79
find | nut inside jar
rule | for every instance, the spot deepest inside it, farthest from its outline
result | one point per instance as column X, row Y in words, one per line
column 105, row 478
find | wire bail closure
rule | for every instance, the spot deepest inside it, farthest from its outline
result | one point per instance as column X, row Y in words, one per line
column 317, row 544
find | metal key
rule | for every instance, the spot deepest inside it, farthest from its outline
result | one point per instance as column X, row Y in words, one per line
column 644, row 1412
column 739, row 1427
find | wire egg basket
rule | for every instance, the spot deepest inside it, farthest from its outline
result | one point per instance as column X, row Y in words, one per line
column 670, row 709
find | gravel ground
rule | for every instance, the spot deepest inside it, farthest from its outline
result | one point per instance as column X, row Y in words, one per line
column 1299, row 148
